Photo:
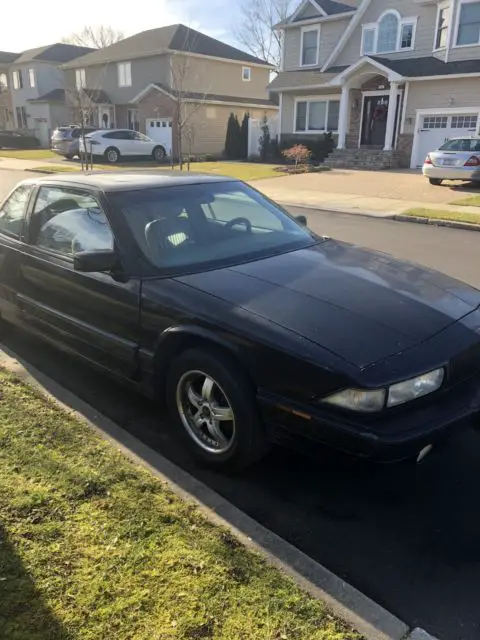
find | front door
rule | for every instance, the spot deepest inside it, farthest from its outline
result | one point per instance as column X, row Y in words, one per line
column 374, row 123
column 93, row 314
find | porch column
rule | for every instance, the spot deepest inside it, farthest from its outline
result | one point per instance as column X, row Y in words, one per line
column 392, row 112
column 343, row 117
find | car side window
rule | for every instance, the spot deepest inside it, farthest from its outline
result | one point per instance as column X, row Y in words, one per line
column 68, row 221
column 140, row 136
column 13, row 211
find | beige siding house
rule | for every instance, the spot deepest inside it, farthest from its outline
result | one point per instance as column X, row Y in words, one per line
column 391, row 79
column 158, row 78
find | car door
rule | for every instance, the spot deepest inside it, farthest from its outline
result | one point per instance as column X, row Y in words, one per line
column 93, row 314
column 143, row 145
column 12, row 222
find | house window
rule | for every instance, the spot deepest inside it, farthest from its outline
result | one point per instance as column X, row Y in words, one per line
column 80, row 79
column 313, row 116
column 133, row 119
column 21, row 117
column 406, row 36
column 124, row 74
column 391, row 33
column 387, row 33
column 443, row 23
column 464, row 122
column 309, row 48
column 17, row 79
column 3, row 81
column 246, row 74
column 469, row 23
column 31, row 77
column 368, row 41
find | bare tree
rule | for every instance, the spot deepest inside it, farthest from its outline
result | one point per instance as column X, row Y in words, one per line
column 256, row 31
column 95, row 36
column 83, row 105
column 187, row 103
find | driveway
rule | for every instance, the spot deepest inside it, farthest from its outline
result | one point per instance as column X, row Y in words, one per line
column 402, row 185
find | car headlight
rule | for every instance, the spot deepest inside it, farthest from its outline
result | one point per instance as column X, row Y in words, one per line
column 359, row 400
column 415, row 388
column 366, row 401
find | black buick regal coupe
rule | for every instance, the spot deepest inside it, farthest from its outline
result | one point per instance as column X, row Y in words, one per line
column 202, row 292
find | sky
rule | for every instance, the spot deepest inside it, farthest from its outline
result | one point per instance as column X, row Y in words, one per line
column 49, row 21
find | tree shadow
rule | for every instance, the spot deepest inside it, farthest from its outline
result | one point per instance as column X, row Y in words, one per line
column 23, row 613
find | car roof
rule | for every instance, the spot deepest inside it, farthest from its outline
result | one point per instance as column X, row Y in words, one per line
column 465, row 138
column 109, row 181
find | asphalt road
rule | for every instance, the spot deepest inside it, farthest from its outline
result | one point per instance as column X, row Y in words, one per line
column 407, row 537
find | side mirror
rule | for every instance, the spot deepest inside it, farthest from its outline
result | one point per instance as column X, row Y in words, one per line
column 302, row 220
column 95, row 261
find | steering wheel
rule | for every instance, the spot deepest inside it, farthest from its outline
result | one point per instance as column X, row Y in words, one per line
column 236, row 221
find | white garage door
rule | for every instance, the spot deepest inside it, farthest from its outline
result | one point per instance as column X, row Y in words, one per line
column 438, row 128
column 160, row 130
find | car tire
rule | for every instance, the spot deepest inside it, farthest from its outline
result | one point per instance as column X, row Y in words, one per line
column 158, row 154
column 436, row 182
column 69, row 157
column 202, row 384
column 112, row 155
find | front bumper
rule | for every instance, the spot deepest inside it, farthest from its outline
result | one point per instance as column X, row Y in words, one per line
column 396, row 434
column 451, row 173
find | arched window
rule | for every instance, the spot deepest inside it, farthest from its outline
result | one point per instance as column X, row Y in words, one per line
column 387, row 33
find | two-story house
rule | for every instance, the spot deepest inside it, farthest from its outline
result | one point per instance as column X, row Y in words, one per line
column 6, row 106
column 159, row 78
column 392, row 79
column 37, row 88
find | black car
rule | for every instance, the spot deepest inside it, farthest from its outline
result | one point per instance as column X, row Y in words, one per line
column 17, row 140
column 201, row 291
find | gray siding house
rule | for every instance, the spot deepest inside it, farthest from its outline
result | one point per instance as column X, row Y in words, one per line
column 140, row 81
column 391, row 79
column 37, row 88
column 6, row 108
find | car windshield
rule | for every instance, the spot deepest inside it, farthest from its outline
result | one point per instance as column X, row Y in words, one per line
column 209, row 224
column 461, row 144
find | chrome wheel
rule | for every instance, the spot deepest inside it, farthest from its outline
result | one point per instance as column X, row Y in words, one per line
column 112, row 155
column 206, row 412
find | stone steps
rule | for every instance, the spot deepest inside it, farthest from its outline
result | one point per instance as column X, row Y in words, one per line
column 372, row 159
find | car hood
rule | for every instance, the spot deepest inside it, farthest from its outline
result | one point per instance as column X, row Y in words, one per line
column 361, row 305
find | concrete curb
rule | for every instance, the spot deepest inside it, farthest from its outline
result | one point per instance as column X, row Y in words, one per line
column 438, row 223
column 398, row 217
column 347, row 212
column 349, row 604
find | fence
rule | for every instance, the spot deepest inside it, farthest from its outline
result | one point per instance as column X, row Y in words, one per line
column 255, row 133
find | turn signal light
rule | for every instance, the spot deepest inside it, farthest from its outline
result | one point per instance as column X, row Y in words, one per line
column 474, row 161
column 428, row 160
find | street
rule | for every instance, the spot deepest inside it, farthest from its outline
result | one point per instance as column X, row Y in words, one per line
column 407, row 537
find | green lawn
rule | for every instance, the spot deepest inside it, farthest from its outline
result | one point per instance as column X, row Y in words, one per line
column 438, row 214
column 28, row 154
column 241, row 170
column 94, row 548
column 474, row 201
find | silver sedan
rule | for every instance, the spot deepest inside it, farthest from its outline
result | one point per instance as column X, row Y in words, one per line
column 457, row 159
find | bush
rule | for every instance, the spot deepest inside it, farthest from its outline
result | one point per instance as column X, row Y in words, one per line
column 233, row 138
column 299, row 154
column 319, row 146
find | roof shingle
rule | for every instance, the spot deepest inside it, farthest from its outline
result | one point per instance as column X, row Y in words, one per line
column 176, row 37
column 6, row 57
column 429, row 66
column 56, row 95
column 213, row 97
column 58, row 52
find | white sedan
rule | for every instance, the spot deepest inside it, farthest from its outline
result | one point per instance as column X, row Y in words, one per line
column 113, row 144
column 456, row 159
